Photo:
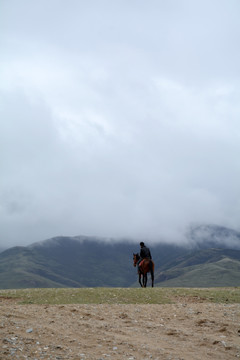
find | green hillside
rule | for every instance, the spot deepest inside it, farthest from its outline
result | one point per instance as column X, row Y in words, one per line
column 22, row 267
column 65, row 264
column 89, row 262
column 207, row 268
column 76, row 262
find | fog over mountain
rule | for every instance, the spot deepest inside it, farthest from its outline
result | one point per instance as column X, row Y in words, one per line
column 118, row 119
column 83, row 261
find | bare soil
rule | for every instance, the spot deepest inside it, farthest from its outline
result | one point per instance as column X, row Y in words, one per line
column 186, row 330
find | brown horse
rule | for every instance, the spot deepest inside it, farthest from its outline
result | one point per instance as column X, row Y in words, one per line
column 146, row 265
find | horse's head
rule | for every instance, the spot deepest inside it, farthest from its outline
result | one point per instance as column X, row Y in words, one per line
column 136, row 257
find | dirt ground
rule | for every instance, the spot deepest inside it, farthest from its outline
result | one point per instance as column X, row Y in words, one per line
column 185, row 330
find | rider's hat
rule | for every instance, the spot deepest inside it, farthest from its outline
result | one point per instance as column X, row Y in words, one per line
column 141, row 243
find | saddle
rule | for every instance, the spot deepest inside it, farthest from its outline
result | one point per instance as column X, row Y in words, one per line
column 141, row 263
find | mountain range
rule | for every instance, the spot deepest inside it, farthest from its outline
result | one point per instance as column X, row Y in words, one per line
column 210, row 257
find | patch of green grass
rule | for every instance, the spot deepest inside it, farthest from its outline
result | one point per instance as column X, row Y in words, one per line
column 229, row 295
column 122, row 295
column 88, row 296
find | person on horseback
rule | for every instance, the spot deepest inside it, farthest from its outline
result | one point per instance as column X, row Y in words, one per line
column 145, row 253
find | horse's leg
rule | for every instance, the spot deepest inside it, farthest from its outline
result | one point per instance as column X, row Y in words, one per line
column 139, row 279
column 144, row 280
column 152, row 276
column 152, row 273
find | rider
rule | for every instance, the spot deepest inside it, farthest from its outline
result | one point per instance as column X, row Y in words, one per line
column 145, row 253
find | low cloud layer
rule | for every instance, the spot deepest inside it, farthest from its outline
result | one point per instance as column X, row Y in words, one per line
column 118, row 119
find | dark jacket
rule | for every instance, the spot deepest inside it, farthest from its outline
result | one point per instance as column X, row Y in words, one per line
column 145, row 253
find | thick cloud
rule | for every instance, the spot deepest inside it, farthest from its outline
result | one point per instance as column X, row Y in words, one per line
column 118, row 119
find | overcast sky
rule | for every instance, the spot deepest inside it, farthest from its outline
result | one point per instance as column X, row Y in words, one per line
column 118, row 118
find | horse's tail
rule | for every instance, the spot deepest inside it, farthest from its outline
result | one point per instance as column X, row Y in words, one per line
column 151, row 267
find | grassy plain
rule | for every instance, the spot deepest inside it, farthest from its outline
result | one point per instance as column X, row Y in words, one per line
column 149, row 295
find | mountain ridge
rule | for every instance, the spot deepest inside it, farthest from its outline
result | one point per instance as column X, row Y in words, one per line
column 221, row 268
column 83, row 261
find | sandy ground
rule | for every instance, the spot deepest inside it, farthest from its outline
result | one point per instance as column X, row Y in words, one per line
column 184, row 330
